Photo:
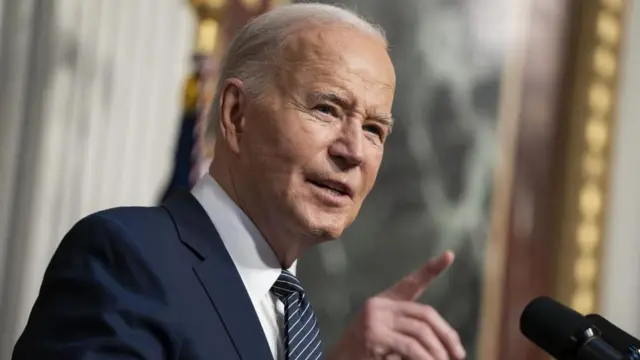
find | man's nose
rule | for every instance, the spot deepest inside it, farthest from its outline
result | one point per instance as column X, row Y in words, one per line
column 348, row 149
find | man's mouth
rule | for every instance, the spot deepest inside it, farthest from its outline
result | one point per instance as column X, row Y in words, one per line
column 336, row 187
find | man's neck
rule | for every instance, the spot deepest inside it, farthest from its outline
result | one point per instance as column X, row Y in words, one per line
column 286, row 252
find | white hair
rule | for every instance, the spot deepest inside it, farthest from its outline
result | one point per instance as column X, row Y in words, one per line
column 259, row 43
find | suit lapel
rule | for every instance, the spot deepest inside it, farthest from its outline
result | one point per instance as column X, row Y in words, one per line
column 219, row 277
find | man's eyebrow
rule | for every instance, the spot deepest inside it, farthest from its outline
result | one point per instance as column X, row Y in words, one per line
column 385, row 119
column 341, row 100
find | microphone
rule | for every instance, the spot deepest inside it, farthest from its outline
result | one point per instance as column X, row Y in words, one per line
column 564, row 333
column 618, row 338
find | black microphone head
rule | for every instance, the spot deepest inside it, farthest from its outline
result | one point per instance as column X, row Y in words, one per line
column 612, row 334
column 554, row 327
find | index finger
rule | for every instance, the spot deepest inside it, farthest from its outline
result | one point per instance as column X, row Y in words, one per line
column 413, row 285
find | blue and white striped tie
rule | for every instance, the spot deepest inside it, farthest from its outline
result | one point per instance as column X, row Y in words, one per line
column 302, row 335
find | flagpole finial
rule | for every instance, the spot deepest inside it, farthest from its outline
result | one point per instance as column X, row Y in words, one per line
column 209, row 15
column 211, row 9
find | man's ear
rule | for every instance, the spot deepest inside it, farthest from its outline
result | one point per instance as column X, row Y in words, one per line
column 232, row 112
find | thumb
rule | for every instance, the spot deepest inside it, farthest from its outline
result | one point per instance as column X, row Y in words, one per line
column 413, row 285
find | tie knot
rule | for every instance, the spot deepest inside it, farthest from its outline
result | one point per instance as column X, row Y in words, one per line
column 286, row 285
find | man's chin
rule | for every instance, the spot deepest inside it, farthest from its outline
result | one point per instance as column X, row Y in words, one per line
column 321, row 224
column 321, row 235
column 326, row 231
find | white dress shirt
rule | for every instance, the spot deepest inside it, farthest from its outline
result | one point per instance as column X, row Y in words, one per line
column 255, row 261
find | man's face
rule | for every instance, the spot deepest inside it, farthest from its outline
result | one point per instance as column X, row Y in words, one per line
column 312, row 144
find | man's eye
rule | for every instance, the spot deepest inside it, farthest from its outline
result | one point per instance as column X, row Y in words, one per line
column 374, row 129
column 327, row 109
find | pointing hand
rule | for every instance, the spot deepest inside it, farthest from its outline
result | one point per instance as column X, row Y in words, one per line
column 392, row 325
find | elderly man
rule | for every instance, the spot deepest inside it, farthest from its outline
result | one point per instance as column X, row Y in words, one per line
column 301, row 118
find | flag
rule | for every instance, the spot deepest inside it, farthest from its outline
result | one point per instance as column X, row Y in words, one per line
column 191, row 160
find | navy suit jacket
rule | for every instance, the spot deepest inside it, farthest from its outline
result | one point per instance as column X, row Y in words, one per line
column 143, row 283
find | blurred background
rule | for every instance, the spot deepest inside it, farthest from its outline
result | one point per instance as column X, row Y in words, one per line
column 516, row 146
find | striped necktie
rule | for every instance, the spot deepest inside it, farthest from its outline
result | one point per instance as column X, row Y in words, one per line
column 302, row 335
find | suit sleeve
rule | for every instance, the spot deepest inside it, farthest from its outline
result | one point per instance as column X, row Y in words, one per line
column 99, row 300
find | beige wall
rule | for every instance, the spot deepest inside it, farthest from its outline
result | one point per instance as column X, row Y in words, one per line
column 89, row 109
column 621, row 273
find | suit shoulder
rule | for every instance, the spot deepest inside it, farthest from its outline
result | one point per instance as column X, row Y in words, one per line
column 130, row 225
column 132, row 216
column 138, row 239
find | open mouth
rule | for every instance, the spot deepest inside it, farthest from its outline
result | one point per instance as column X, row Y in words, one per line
column 334, row 187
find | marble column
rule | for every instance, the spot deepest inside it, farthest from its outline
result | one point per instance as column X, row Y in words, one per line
column 90, row 97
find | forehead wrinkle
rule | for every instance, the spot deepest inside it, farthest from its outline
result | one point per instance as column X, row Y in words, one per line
column 334, row 89
column 328, row 80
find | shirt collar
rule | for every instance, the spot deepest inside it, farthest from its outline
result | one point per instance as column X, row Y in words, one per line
column 253, row 257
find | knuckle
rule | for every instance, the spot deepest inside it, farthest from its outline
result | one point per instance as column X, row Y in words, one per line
column 373, row 303
column 436, row 348
column 408, row 346
column 372, row 309
column 440, row 353
column 453, row 335
column 430, row 311
column 370, row 305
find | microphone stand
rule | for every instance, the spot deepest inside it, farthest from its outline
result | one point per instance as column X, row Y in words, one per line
column 595, row 348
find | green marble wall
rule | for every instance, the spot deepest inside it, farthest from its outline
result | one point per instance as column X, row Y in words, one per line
column 434, row 189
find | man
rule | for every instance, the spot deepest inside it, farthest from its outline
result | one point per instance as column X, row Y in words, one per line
column 301, row 118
